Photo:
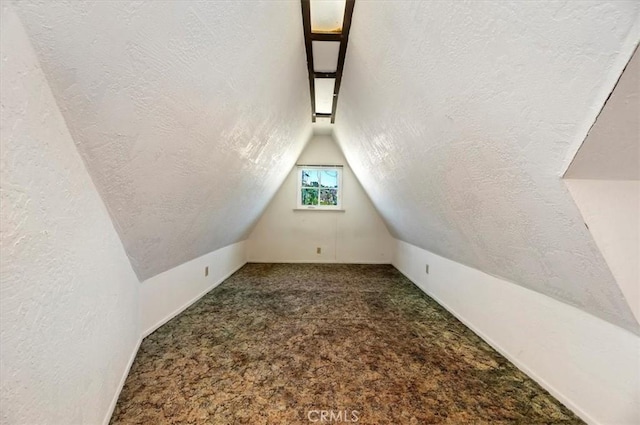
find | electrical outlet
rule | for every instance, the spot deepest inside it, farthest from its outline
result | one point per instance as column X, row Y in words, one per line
column 427, row 269
column 318, row 250
column 206, row 271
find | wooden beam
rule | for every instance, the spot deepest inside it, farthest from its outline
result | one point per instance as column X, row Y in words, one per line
column 326, row 36
column 325, row 74
column 306, row 24
column 346, row 27
column 343, row 38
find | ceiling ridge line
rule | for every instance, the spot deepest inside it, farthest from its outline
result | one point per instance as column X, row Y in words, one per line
column 343, row 38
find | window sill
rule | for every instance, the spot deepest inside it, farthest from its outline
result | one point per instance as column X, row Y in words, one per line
column 319, row 209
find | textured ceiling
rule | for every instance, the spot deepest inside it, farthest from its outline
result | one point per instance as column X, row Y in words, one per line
column 188, row 115
column 611, row 151
column 459, row 119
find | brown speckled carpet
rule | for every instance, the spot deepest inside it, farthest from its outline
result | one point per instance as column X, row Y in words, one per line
column 281, row 343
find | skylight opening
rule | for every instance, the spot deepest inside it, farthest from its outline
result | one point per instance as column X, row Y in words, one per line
column 327, row 16
column 326, row 26
column 325, row 56
column 324, row 94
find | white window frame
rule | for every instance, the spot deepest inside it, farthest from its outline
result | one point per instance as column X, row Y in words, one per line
column 338, row 169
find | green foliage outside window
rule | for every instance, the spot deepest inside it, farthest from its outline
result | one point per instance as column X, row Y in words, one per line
column 319, row 187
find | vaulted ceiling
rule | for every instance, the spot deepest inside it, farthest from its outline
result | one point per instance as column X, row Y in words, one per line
column 459, row 118
column 188, row 115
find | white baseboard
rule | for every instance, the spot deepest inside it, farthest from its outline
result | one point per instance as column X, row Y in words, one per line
column 123, row 379
column 189, row 303
column 513, row 359
column 588, row 364
column 316, row 262
column 186, row 272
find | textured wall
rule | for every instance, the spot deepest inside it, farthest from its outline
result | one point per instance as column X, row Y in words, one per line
column 357, row 235
column 188, row 115
column 459, row 119
column 69, row 298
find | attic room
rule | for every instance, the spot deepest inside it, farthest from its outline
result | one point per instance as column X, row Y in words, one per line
column 319, row 211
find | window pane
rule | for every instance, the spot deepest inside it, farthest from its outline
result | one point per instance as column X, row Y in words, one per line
column 328, row 197
column 329, row 178
column 310, row 178
column 309, row 196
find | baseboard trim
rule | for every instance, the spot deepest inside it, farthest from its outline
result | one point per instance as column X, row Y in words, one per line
column 524, row 368
column 123, row 379
column 189, row 303
column 132, row 358
column 318, row 262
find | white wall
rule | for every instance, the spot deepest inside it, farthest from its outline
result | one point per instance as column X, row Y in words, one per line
column 69, row 297
column 188, row 114
column 459, row 117
column 587, row 363
column 357, row 235
column 166, row 295
column 611, row 209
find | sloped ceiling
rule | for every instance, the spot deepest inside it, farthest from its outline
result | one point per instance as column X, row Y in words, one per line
column 188, row 115
column 459, row 119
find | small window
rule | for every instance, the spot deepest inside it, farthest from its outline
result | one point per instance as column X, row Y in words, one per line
column 319, row 187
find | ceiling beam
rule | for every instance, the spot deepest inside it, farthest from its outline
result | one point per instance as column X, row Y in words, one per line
column 326, row 36
column 325, row 74
column 343, row 38
column 346, row 27
column 306, row 24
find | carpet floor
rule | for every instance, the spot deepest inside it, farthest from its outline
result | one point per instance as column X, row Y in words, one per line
column 304, row 343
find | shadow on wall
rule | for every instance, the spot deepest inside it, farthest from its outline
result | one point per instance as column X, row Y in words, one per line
column 604, row 180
